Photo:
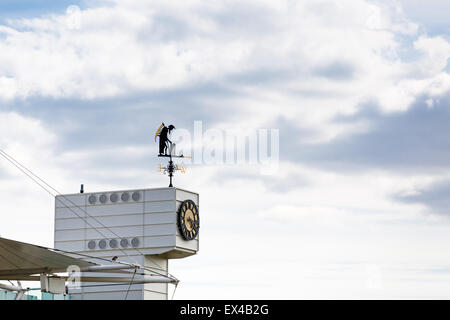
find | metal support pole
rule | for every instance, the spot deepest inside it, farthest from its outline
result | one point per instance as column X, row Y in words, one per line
column 10, row 287
column 108, row 268
column 171, row 169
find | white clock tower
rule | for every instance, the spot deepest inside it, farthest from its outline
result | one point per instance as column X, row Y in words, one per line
column 145, row 227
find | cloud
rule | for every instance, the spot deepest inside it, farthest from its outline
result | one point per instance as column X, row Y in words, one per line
column 337, row 70
column 434, row 197
column 430, row 15
column 20, row 134
column 416, row 141
column 130, row 47
column 24, row 204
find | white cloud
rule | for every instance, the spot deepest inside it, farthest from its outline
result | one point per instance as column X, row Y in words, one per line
column 26, row 209
column 134, row 45
column 316, row 241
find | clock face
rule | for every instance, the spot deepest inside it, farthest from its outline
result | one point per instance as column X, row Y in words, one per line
column 188, row 220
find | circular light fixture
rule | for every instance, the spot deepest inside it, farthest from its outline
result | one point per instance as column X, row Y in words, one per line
column 114, row 197
column 124, row 243
column 136, row 196
column 113, row 243
column 125, row 196
column 135, row 242
column 92, row 199
column 103, row 198
column 91, row 244
column 102, row 244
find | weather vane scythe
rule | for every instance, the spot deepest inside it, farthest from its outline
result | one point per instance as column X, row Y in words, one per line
column 167, row 150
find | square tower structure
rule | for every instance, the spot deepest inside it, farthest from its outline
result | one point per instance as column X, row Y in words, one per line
column 138, row 226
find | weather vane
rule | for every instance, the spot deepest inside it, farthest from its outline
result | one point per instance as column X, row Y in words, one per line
column 167, row 150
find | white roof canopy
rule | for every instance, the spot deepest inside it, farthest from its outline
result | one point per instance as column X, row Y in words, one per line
column 24, row 261
column 18, row 258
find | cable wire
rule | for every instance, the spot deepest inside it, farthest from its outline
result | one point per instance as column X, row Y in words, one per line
column 175, row 289
column 131, row 282
column 27, row 172
column 35, row 177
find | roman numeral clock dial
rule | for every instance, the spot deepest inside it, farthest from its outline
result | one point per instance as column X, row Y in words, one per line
column 188, row 220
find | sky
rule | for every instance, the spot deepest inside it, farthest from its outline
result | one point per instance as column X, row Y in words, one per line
column 359, row 90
